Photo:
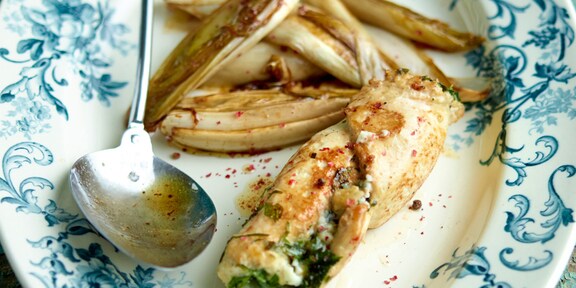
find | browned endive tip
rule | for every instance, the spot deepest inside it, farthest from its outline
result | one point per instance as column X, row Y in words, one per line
column 407, row 23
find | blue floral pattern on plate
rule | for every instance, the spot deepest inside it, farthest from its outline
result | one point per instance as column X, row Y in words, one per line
column 92, row 267
column 470, row 263
column 541, row 103
column 66, row 31
column 62, row 31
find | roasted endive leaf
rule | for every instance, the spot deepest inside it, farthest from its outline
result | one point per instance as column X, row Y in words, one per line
column 197, row 8
column 405, row 22
column 251, row 121
column 318, row 46
column 252, row 140
column 243, row 110
column 371, row 61
column 229, row 31
column 409, row 56
column 259, row 63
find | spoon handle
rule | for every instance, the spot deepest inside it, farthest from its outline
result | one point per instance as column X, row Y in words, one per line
column 143, row 68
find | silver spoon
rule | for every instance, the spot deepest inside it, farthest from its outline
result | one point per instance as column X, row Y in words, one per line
column 146, row 207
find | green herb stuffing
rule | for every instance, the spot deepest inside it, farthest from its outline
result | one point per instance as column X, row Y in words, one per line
column 315, row 258
column 319, row 263
column 450, row 91
column 402, row 71
column 274, row 211
column 426, row 78
column 265, row 195
column 254, row 278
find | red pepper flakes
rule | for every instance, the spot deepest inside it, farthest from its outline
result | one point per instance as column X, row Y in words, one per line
column 218, row 122
column 282, row 125
column 422, row 218
column 414, row 153
column 413, row 133
column 325, row 149
column 268, row 174
column 208, row 175
column 291, row 182
column 340, row 151
column 349, row 145
column 238, row 114
column 175, row 156
column 267, row 160
column 249, row 168
column 377, row 105
column 430, row 204
column 356, row 238
column 234, row 171
column 227, row 176
column 259, row 185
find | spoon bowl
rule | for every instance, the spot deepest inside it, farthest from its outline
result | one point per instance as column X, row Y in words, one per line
column 146, row 207
column 149, row 209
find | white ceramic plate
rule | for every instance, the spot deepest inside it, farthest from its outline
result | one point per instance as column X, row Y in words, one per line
column 497, row 208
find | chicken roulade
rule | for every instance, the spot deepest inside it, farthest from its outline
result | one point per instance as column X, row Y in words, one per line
column 350, row 177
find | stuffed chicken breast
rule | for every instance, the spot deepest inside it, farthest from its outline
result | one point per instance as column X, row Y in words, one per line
column 350, row 177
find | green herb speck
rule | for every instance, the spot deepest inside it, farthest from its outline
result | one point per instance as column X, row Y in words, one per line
column 274, row 211
column 254, row 278
column 450, row 91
